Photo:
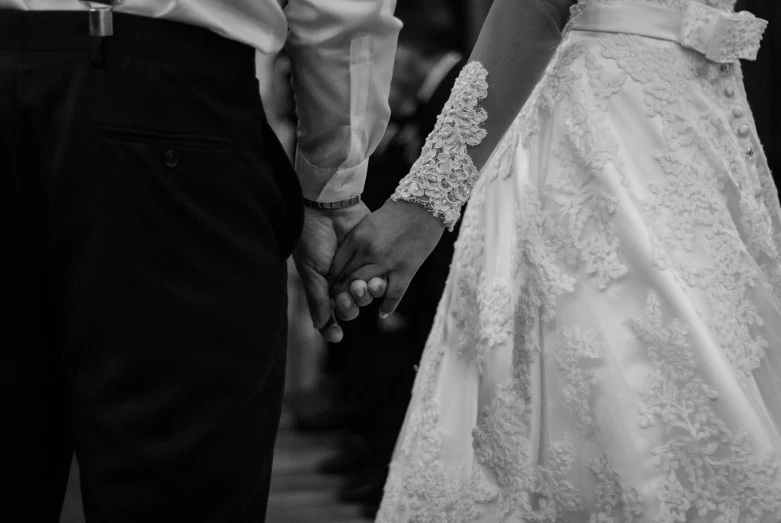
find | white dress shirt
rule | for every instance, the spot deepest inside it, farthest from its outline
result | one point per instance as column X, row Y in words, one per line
column 342, row 54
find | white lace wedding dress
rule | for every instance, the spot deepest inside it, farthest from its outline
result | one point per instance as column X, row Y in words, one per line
column 608, row 347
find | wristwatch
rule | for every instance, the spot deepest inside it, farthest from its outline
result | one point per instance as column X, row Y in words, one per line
column 341, row 204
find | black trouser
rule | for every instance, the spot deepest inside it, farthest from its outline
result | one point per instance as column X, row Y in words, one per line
column 147, row 212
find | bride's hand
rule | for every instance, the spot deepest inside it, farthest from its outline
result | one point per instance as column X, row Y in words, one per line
column 391, row 243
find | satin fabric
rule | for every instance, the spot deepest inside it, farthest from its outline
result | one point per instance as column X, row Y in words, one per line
column 722, row 37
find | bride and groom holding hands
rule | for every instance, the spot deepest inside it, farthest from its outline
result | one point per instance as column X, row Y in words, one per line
column 606, row 348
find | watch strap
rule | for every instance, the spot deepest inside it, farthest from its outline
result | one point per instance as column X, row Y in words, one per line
column 341, row 204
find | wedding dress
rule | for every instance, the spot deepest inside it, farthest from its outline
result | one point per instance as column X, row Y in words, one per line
column 608, row 347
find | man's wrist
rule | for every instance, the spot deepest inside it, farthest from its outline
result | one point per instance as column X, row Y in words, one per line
column 343, row 220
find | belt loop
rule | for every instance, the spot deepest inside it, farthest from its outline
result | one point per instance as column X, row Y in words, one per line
column 101, row 25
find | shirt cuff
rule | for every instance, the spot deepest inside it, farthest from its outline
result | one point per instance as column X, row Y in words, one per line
column 330, row 185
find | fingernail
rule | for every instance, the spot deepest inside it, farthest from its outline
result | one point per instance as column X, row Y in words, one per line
column 383, row 315
column 360, row 292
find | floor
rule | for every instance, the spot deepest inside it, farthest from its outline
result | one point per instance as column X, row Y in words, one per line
column 298, row 493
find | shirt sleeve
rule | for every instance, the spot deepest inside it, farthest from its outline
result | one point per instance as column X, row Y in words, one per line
column 342, row 54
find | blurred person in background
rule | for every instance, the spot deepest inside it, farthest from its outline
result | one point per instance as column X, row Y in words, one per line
column 375, row 363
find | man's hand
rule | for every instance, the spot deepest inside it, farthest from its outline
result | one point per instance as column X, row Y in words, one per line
column 392, row 243
column 323, row 231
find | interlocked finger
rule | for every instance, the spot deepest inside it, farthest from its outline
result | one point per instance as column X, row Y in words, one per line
column 359, row 290
column 377, row 287
column 345, row 308
column 332, row 332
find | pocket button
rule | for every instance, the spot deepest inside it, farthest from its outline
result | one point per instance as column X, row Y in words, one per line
column 171, row 158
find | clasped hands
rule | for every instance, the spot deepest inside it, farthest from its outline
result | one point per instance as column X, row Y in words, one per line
column 349, row 257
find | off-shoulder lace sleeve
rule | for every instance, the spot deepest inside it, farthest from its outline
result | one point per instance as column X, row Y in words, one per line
column 443, row 177
column 515, row 45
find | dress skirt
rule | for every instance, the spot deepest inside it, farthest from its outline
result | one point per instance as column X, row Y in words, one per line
column 608, row 346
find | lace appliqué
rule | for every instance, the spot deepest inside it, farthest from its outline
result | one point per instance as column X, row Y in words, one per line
column 688, row 208
column 616, row 502
column 485, row 317
column 425, row 491
column 707, row 468
column 721, row 37
column 465, row 307
column 443, row 177
column 496, row 318
column 573, row 347
column 532, row 257
column 501, row 443
column 579, row 227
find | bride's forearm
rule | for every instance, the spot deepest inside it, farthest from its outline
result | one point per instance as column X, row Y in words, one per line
column 517, row 41
column 515, row 45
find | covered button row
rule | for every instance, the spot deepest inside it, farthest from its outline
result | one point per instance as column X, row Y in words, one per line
column 738, row 112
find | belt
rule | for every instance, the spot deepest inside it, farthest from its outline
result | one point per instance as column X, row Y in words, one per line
column 721, row 36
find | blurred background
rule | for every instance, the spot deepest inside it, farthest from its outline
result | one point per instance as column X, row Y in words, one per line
column 345, row 403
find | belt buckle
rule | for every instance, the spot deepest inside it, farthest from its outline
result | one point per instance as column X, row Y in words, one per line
column 721, row 36
column 101, row 17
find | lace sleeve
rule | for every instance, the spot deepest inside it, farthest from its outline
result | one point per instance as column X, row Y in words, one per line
column 443, row 177
column 515, row 45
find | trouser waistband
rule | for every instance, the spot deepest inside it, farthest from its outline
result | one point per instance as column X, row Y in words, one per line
column 180, row 44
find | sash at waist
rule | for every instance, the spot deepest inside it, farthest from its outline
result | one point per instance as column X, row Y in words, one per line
column 721, row 36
